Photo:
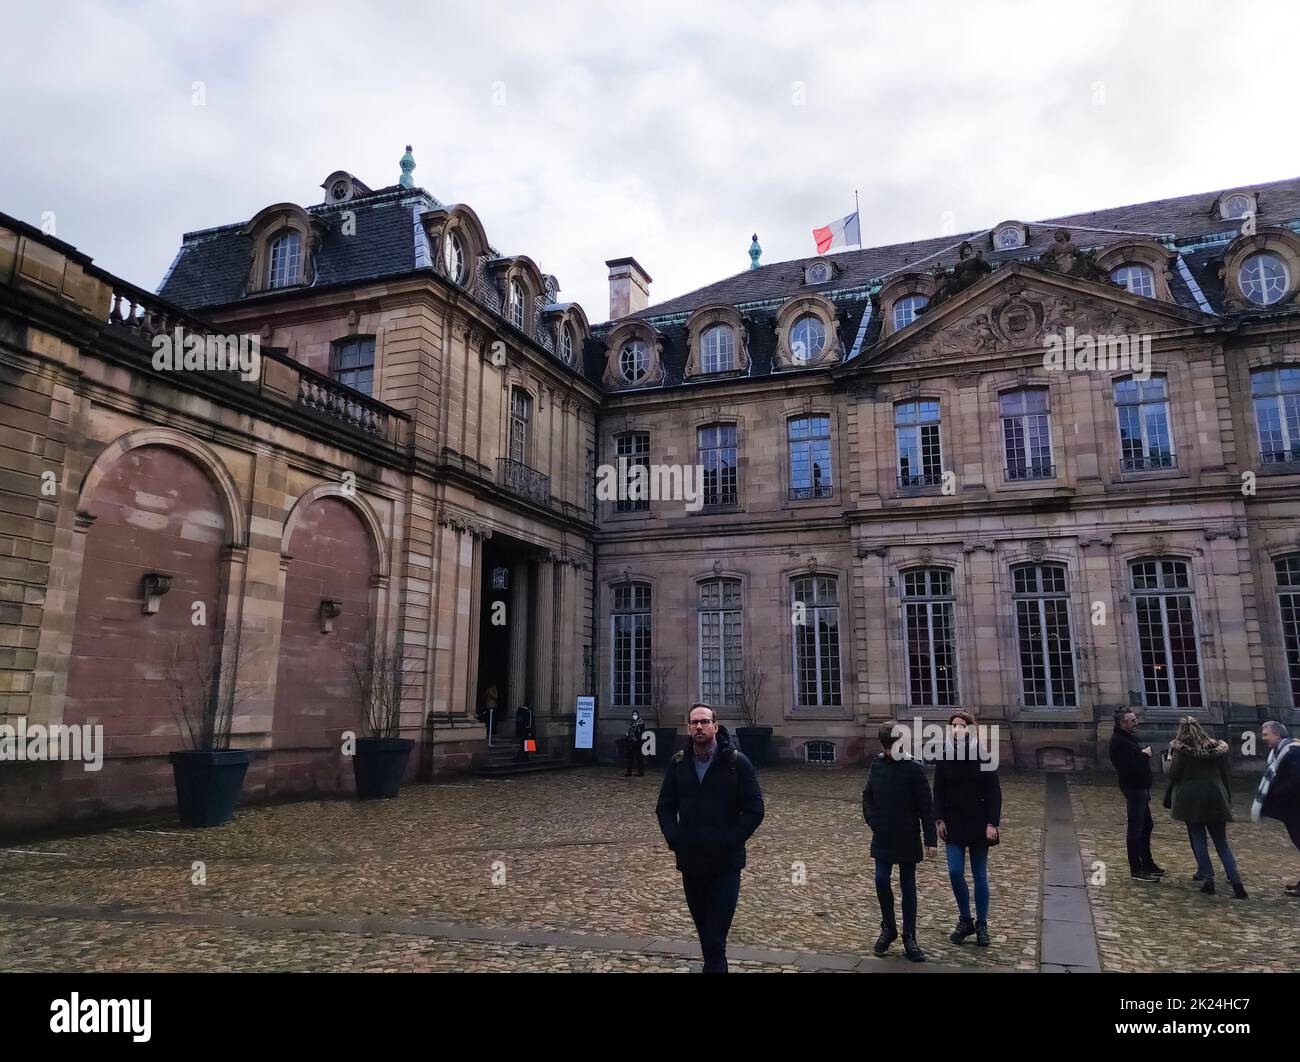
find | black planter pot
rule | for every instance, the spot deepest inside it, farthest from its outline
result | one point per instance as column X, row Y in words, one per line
column 755, row 743
column 666, row 743
column 208, row 784
column 379, row 764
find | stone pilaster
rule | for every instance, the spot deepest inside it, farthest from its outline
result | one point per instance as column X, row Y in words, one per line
column 517, row 683
column 544, row 636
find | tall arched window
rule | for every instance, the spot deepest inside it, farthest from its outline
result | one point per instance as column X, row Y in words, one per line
column 1288, row 600
column 931, row 630
column 284, row 261
column 717, row 349
column 520, row 415
column 1166, row 625
column 722, row 660
column 630, row 639
column 816, row 616
column 1043, row 635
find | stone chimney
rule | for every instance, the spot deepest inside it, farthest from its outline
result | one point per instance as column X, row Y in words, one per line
column 629, row 287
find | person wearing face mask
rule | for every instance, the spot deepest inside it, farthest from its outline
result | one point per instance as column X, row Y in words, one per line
column 967, row 807
column 635, row 734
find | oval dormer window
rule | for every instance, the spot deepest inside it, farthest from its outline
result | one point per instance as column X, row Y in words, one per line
column 634, row 362
column 1236, row 206
column 453, row 258
column 807, row 338
column 566, row 345
column 1009, row 237
column 1263, row 278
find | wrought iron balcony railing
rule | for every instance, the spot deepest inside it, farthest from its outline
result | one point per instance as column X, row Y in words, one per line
column 920, row 479
column 1280, row 457
column 527, row 482
column 1035, row 470
column 817, row 490
column 1148, row 462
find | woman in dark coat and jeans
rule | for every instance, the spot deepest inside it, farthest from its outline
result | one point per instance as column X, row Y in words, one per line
column 896, row 805
column 967, row 807
column 1202, row 798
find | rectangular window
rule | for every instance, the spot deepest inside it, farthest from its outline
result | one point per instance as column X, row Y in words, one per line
column 520, row 412
column 816, row 641
column 1288, row 599
column 722, row 661
column 929, row 623
column 1043, row 634
column 630, row 639
column 1143, row 410
column 810, row 457
column 916, row 428
column 1277, row 414
column 718, row 456
column 354, row 363
column 1166, row 626
column 633, row 451
column 1027, row 435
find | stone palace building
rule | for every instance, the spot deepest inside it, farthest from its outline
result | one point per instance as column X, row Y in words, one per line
column 1036, row 471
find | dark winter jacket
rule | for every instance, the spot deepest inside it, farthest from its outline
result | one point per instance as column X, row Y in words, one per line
column 523, row 722
column 967, row 800
column 1282, row 801
column 1202, row 786
column 1131, row 764
column 896, row 805
column 706, row 824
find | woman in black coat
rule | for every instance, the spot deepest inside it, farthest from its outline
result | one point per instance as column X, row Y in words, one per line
column 967, row 807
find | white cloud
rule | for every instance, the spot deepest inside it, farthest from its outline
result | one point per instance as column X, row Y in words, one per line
column 669, row 132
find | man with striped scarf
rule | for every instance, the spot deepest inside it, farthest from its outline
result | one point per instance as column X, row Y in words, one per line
column 1278, row 796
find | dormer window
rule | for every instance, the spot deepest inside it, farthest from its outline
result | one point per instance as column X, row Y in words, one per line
column 807, row 338
column 719, row 349
column 1136, row 279
column 453, row 257
column 284, row 260
column 634, row 362
column 906, row 309
column 1237, row 205
column 516, row 307
column 566, row 344
column 340, row 190
column 818, row 273
column 1263, row 278
column 1008, row 237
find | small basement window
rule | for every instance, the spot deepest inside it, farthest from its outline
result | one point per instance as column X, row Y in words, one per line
column 819, row 752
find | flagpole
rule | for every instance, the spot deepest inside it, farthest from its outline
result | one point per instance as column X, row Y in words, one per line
column 855, row 210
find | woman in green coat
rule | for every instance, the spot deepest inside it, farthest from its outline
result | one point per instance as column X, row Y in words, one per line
column 1202, row 798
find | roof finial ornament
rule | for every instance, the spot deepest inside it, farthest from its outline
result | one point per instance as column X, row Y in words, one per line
column 408, row 164
column 754, row 251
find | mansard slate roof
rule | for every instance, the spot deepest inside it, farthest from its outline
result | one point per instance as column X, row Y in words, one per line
column 212, row 266
column 1189, row 225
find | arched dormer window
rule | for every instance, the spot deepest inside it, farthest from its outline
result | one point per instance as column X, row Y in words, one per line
column 1261, row 270
column 903, row 299
column 515, row 304
column 453, row 257
column 717, row 342
column 284, row 241
column 457, row 241
column 1140, row 267
column 566, row 332
column 806, row 333
column 566, row 344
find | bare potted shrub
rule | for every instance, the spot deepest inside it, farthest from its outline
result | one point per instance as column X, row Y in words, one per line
column 660, row 695
column 755, row 740
column 204, row 682
column 381, row 676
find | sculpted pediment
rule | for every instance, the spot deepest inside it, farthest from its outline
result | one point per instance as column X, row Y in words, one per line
column 1019, row 309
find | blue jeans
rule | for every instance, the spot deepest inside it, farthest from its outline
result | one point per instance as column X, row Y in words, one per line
column 1137, row 804
column 906, row 882
column 1219, row 835
column 712, row 900
column 979, row 871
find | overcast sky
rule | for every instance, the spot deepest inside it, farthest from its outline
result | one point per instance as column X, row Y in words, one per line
column 669, row 131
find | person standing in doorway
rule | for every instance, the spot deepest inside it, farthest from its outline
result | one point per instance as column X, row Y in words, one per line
column 967, row 807
column 487, row 711
column 1202, row 798
column 1132, row 763
column 523, row 731
column 896, row 805
column 709, row 806
column 635, row 734
column 1278, row 795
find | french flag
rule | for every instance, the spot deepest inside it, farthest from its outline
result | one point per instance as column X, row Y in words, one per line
column 838, row 234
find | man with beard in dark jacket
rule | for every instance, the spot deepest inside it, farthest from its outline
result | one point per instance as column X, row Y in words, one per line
column 1133, row 767
column 709, row 806
column 896, row 805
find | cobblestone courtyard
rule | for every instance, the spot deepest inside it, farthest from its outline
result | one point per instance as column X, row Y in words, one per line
column 568, row 872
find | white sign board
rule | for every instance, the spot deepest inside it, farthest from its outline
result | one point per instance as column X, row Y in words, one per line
column 586, row 725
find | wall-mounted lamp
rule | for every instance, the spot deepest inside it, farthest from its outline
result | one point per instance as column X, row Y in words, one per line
column 329, row 609
column 154, row 586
